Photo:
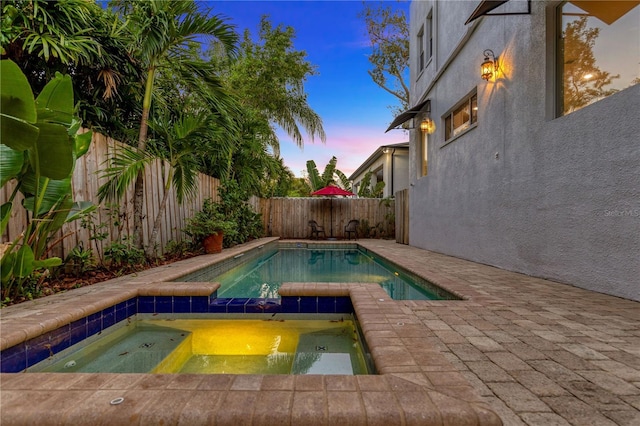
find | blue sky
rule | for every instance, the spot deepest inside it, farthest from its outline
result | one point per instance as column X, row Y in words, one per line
column 354, row 110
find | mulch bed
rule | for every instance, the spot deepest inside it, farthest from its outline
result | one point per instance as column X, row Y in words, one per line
column 63, row 281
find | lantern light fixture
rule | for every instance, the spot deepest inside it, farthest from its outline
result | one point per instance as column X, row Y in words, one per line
column 489, row 66
column 427, row 126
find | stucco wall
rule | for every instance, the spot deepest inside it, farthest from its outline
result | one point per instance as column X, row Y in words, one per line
column 400, row 172
column 551, row 197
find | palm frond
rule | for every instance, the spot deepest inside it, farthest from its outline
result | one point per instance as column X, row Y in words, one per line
column 122, row 171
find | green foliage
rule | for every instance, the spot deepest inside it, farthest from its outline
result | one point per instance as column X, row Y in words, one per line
column 234, row 206
column 177, row 249
column 125, row 255
column 100, row 231
column 40, row 146
column 316, row 181
column 364, row 229
column 269, row 78
column 232, row 215
column 209, row 221
column 278, row 182
column 159, row 33
column 79, row 260
column 41, row 29
column 389, row 226
column 81, row 38
column 267, row 81
column 388, row 33
column 299, row 188
column 370, row 190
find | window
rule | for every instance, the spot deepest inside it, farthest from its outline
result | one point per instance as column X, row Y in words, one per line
column 429, row 35
column 598, row 51
column 421, row 49
column 462, row 117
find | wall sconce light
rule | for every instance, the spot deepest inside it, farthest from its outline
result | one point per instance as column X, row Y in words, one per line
column 489, row 65
column 427, row 126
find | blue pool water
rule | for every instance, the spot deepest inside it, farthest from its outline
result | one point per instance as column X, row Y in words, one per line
column 262, row 276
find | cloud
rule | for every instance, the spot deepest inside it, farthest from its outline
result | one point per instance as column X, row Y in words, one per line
column 350, row 145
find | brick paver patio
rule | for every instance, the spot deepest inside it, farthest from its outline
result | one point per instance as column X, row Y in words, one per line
column 540, row 352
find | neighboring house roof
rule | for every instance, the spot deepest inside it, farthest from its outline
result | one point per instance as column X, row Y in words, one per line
column 375, row 156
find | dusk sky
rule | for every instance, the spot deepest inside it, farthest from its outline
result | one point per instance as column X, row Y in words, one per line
column 354, row 110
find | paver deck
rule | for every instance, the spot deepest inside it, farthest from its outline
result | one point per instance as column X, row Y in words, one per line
column 535, row 352
column 540, row 352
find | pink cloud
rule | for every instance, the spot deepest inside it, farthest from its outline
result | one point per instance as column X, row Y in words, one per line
column 351, row 146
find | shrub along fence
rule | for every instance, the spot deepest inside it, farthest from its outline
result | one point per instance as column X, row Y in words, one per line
column 289, row 217
column 114, row 222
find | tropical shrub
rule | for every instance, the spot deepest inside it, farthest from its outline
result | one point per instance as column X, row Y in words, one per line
column 38, row 151
column 233, row 206
column 79, row 260
column 123, row 254
column 209, row 221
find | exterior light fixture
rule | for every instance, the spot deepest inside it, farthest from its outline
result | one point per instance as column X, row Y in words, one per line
column 489, row 65
column 427, row 126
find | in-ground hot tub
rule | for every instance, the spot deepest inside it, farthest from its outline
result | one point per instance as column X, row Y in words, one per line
column 282, row 344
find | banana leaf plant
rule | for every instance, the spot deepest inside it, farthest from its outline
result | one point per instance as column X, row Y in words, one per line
column 38, row 150
column 368, row 189
column 317, row 181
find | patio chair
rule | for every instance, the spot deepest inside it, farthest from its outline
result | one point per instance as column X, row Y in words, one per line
column 352, row 228
column 316, row 229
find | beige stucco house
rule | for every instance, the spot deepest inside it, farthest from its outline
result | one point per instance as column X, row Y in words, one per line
column 388, row 164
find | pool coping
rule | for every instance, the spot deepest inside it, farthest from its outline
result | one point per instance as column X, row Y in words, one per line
column 416, row 384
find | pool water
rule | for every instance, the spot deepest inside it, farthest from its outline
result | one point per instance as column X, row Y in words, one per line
column 221, row 346
column 261, row 277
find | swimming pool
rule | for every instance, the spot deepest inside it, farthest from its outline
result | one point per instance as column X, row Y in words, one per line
column 317, row 344
column 261, row 276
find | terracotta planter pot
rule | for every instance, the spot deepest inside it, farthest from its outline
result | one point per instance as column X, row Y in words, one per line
column 213, row 243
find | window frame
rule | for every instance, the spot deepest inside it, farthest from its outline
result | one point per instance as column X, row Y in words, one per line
column 421, row 52
column 557, row 53
column 429, row 33
column 448, row 120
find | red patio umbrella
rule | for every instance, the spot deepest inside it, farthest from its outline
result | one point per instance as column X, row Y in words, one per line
column 332, row 191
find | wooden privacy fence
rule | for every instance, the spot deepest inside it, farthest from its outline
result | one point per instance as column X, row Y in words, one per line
column 289, row 217
column 402, row 216
column 116, row 220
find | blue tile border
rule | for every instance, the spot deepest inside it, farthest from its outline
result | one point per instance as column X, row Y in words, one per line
column 146, row 305
column 14, row 359
column 26, row 354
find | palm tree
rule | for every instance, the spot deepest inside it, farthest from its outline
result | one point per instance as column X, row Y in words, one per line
column 269, row 78
column 161, row 31
column 175, row 141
